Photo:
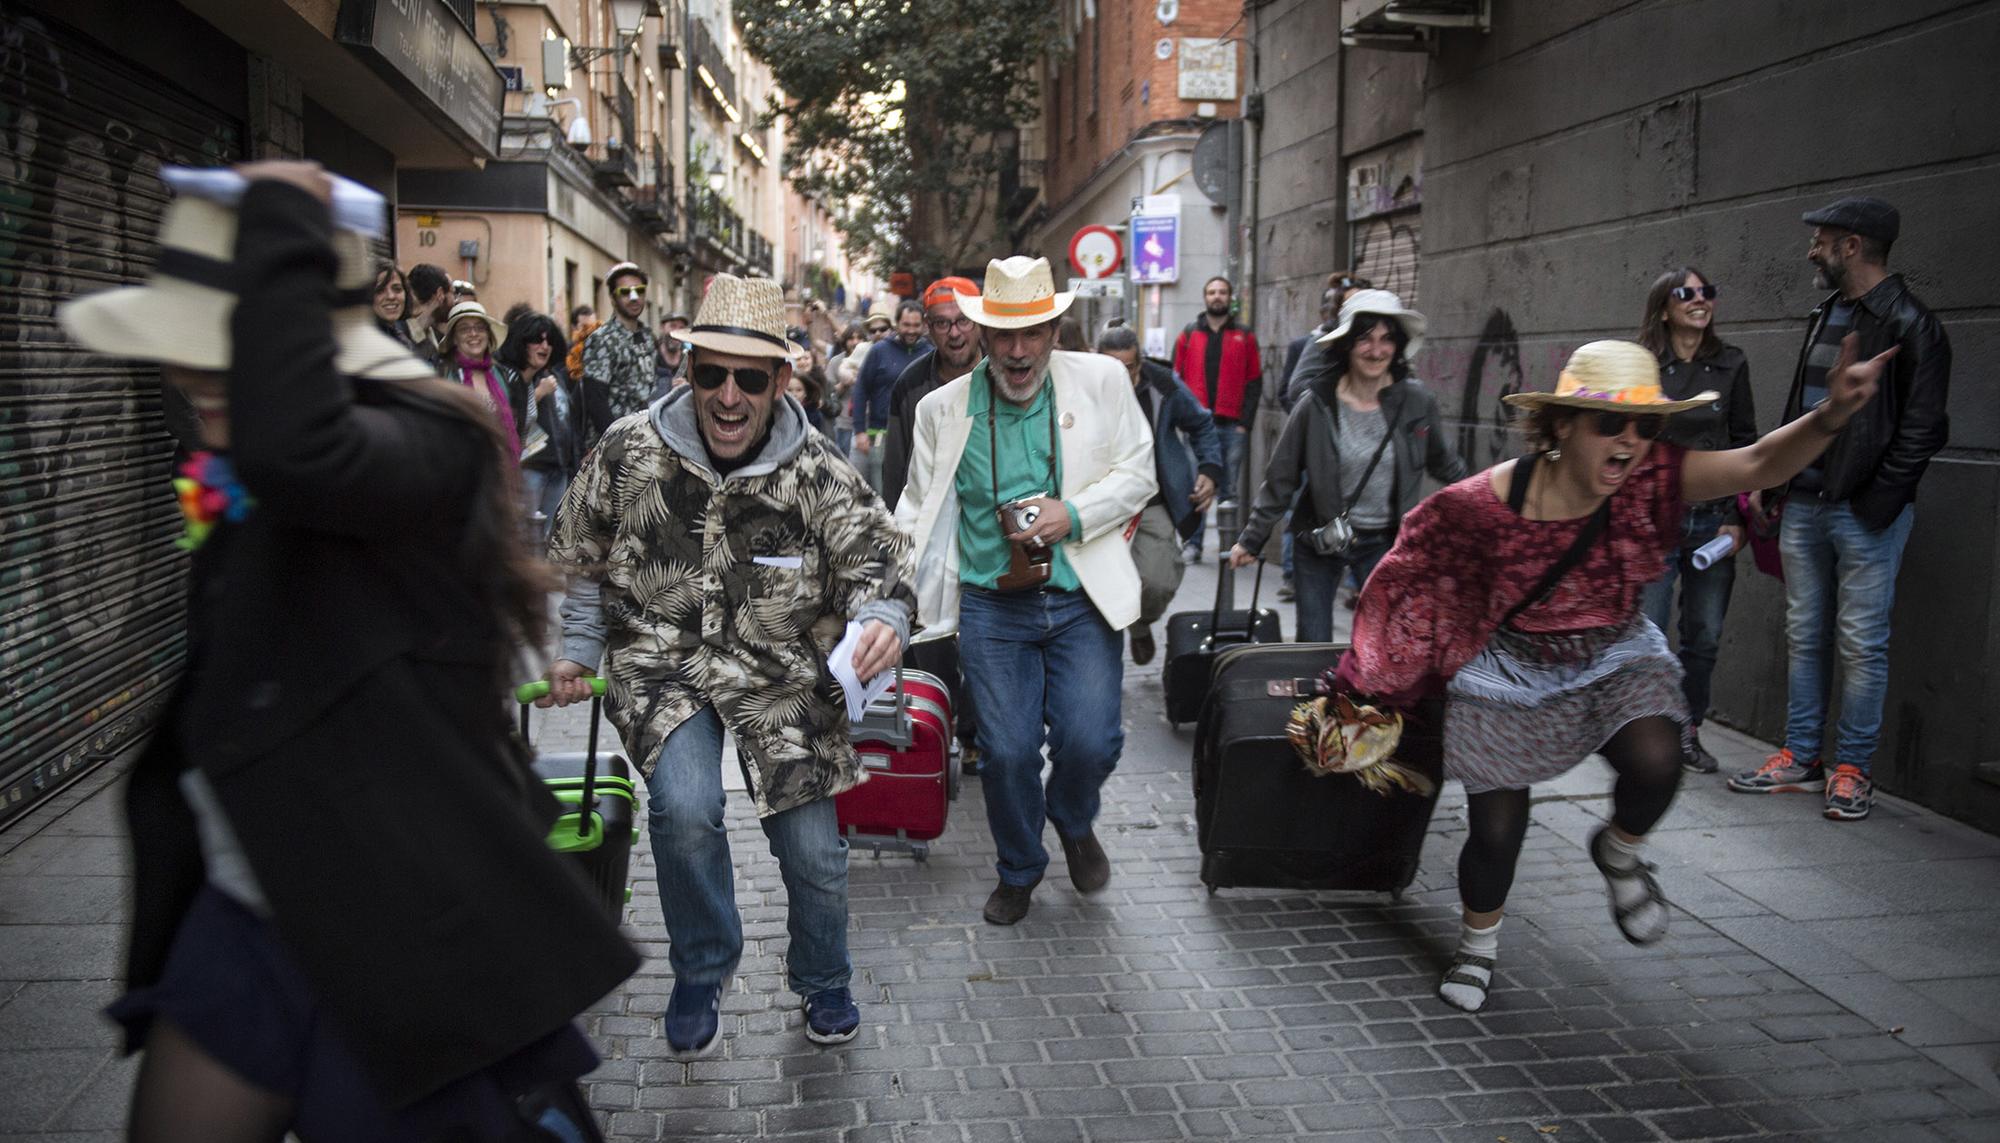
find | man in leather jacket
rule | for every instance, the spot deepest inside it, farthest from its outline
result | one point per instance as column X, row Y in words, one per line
column 1847, row 517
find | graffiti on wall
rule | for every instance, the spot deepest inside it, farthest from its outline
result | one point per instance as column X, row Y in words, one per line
column 1385, row 252
column 88, row 572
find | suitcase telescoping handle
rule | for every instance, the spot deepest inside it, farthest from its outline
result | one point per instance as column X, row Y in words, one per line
column 586, row 806
column 1250, row 616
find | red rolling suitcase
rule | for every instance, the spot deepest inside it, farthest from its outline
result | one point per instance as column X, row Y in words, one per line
column 904, row 741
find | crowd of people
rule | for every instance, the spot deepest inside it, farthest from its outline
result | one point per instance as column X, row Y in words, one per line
column 722, row 499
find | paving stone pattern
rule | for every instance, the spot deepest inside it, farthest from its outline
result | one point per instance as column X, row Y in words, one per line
column 1820, row 982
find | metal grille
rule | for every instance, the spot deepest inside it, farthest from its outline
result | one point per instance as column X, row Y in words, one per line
column 91, row 585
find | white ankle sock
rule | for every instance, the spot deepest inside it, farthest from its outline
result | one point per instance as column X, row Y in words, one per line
column 1623, row 857
column 1473, row 942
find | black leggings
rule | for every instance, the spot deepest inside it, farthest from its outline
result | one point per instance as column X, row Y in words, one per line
column 1646, row 753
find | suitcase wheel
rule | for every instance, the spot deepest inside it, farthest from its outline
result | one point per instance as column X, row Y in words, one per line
column 1212, row 889
column 951, row 772
column 920, row 850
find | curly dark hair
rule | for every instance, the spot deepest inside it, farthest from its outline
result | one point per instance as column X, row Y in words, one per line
column 513, row 352
column 1339, row 351
column 1538, row 428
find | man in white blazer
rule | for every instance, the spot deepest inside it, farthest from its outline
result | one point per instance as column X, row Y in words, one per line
column 1060, row 436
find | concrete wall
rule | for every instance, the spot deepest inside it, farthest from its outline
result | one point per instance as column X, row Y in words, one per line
column 1578, row 149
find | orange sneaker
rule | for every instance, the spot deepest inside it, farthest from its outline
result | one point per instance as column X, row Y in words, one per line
column 1849, row 795
column 1781, row 774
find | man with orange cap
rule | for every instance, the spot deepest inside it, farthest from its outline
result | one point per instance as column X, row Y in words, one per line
column 955, row 342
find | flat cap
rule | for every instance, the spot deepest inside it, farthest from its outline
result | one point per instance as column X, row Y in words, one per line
column 1868, row 217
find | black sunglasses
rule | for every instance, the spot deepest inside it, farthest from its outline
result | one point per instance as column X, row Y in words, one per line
column 539, row 339
column 751, row 381
column 1610, row 424
column 1690, row 293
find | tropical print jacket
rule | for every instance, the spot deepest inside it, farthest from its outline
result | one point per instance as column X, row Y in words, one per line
column 694, row 589
column 622, row 361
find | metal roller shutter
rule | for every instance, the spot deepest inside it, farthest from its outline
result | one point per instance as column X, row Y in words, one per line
column 1385, row 252
column 91, row 585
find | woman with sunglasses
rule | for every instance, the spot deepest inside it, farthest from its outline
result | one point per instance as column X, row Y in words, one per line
column 550, row 408
column 1679, row 328
column 1516, row 592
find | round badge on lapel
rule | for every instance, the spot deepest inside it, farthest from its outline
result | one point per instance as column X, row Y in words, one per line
column 1069, row 420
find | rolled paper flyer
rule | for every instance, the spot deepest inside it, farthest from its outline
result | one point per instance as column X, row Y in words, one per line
column 1708, row 553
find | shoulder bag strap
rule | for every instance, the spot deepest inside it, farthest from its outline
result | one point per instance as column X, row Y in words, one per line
column 1578, row 548
column 1332, row 420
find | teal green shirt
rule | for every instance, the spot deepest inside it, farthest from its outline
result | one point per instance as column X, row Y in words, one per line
column 1023, row 437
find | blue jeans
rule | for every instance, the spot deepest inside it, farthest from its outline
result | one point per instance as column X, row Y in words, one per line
column 1838, row 574
column 1317, row 579
column 1034, row 659
column 698, row 882
column 543, row 489
column 1704, row 603
column 1233, row 441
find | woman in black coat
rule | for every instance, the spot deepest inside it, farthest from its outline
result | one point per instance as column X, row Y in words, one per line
column 347, row 922
column 550, row 408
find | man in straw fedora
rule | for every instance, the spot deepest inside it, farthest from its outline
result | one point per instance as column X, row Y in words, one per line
column 1540, row 648
column 719, row 549
column 1057, row 443
column 312, row 949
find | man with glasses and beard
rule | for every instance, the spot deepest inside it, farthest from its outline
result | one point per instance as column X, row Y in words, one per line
column 719, row 549
column 1023, row 476
column 621, row 352
column 957, row 350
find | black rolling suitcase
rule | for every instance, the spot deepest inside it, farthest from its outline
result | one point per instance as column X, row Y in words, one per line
column 1194, row 637
column 597, row 827
column 1264, row 821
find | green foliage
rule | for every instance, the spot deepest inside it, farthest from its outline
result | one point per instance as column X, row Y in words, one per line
column 893, row 107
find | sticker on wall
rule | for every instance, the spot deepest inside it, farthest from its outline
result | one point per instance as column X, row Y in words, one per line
column 1165, row 48
column 1168, row 12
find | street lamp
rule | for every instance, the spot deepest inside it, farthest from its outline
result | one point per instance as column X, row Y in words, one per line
column 717, row 177
column 627, row 17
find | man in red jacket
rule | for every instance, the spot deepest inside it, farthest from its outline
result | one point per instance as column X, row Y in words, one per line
column 1219, row 360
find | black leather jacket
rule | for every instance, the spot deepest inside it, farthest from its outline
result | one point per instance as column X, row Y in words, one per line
column 1876, row 461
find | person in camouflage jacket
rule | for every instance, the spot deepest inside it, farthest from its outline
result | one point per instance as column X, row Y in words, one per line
column 619, row 354
column 718, row 550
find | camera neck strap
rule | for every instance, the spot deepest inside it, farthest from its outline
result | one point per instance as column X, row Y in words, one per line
column 993, row 438
column 1332, row 419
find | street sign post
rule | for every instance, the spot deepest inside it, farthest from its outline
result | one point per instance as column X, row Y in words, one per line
column 1096, row 252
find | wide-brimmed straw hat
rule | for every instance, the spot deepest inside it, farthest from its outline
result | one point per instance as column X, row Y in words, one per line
column 496, row 330
column 1020, row 292
column 740, row 315
column 1387, row 305
column 1611, row 375
column 881, row 311
column 181, row 315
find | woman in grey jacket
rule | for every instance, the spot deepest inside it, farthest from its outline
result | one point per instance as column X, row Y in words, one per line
column 1360, row 442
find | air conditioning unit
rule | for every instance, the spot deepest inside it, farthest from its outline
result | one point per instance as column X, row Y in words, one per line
column 1408, row 25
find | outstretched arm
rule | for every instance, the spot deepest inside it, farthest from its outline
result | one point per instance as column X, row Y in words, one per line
column 1780, row 455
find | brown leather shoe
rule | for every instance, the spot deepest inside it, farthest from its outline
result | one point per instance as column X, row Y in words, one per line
column 1089, row 869
column 1009, row 903
column 1143, row 647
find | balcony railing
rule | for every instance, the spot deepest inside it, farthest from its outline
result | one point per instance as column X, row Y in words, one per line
column 613, row 164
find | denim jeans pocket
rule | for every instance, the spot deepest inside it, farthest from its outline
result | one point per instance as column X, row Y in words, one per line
column 1701, row 524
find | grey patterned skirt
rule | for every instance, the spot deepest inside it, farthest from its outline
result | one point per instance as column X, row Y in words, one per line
column 1531, row 705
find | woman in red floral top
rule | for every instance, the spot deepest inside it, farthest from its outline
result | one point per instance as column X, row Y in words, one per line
column 1536, row 677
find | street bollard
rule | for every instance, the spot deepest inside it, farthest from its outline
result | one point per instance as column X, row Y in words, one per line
column 1227, row 527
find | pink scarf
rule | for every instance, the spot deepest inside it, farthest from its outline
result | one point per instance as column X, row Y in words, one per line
column 496, row 394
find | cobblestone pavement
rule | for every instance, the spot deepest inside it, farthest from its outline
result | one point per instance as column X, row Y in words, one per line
column 1821, row 981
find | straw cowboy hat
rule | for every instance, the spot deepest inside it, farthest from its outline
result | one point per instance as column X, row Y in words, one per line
column 1620, row 375
column 496, row 330
column 881, row 311
column 1020, row 292
column 181, row 315
column 741, row 315
column 1387, row 305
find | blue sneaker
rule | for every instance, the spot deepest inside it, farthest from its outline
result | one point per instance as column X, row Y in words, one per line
column 694, row 1019
column 831, row 1017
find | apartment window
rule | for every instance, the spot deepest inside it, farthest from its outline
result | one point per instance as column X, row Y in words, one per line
column 569, row 284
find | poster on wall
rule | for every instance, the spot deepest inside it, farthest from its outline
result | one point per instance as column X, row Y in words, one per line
column 1156, row 240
